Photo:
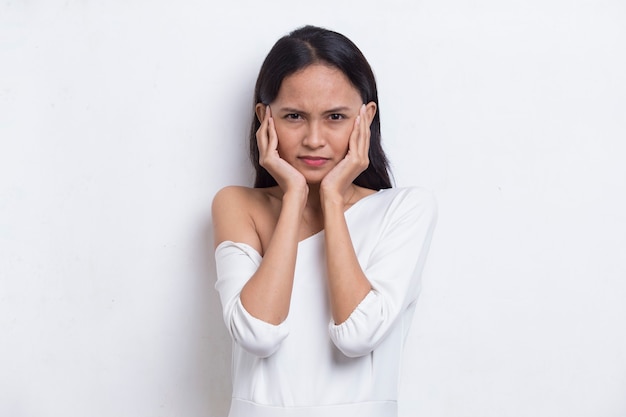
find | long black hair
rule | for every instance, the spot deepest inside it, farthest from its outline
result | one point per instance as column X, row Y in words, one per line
column 312, row 45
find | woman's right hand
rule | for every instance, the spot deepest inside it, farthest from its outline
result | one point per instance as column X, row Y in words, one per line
column 288, row 178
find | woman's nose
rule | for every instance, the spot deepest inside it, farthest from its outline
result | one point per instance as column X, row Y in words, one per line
column 314, row 137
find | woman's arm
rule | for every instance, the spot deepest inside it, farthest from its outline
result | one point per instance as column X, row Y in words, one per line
column 393, row 267
column 347, row 283
column 267, row 294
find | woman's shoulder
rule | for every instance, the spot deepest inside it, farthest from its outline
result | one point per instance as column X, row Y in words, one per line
column 408, row 202
column 241, row 196
column 236, row 202
column 409, row 196
column 238, row 212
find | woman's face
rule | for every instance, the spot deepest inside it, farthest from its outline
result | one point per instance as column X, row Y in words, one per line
column 314, row 114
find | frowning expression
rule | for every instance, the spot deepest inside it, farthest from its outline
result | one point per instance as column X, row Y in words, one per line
column 314, row 114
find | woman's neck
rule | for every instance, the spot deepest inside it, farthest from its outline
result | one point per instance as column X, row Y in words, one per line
column 313, row 201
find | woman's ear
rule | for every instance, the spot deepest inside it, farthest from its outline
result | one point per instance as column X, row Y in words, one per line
column 370, row 111
column 260, row 109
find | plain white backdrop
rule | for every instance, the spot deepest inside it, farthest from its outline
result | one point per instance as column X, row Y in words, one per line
column 120, row 120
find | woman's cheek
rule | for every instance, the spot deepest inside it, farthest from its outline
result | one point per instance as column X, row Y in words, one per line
column 287, row 136
column 344, row 140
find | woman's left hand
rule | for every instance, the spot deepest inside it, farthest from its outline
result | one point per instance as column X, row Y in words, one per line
column 339, row 179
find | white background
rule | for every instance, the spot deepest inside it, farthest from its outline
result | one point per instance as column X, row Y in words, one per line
column 119, row 121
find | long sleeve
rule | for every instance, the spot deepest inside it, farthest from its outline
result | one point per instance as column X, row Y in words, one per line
column 236, row 263
column 394, row 269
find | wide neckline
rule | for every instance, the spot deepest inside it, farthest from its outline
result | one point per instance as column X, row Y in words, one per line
column 345, row 213
column 313, row 236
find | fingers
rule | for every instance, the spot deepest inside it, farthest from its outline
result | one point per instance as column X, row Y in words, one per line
column 272, row 135
column 267, row 139
column 353, row 142
column 360, row 138
column 365, row 135
column 261, row 133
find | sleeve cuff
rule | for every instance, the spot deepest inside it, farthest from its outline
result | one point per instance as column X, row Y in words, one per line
column 355, row 336
column 254, row 335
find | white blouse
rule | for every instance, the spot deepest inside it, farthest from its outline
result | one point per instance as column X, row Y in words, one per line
column 307, row 365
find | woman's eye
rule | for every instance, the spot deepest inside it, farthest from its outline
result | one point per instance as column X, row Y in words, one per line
column 292, row 116
column 336, row 116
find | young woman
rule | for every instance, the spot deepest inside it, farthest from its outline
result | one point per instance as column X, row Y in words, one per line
column 318, row 266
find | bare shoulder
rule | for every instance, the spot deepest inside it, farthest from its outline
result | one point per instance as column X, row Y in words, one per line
column 236, row 197
column 230, row 195
column 234, row 212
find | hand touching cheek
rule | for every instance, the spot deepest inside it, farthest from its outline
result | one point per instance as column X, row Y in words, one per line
column 356, row 160
column 287, row 177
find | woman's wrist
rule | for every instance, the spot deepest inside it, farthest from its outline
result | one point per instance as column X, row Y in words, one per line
column 296, row 197
column 332, row 205
column 333, row 199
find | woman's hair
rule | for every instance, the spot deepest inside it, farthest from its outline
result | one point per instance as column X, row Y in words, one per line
column 313, row 45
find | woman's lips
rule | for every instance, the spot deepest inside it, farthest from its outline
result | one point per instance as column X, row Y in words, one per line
column 314, row 161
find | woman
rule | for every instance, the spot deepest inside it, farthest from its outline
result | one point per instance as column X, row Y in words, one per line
column 319, row 265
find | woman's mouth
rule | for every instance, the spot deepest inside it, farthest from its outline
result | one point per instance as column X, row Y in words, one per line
column 314, row 161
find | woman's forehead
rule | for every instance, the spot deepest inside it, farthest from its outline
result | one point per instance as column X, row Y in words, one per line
column 318, row 85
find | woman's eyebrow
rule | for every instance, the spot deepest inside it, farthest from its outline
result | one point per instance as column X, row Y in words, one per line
column 291, row 110
column 340, row 109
